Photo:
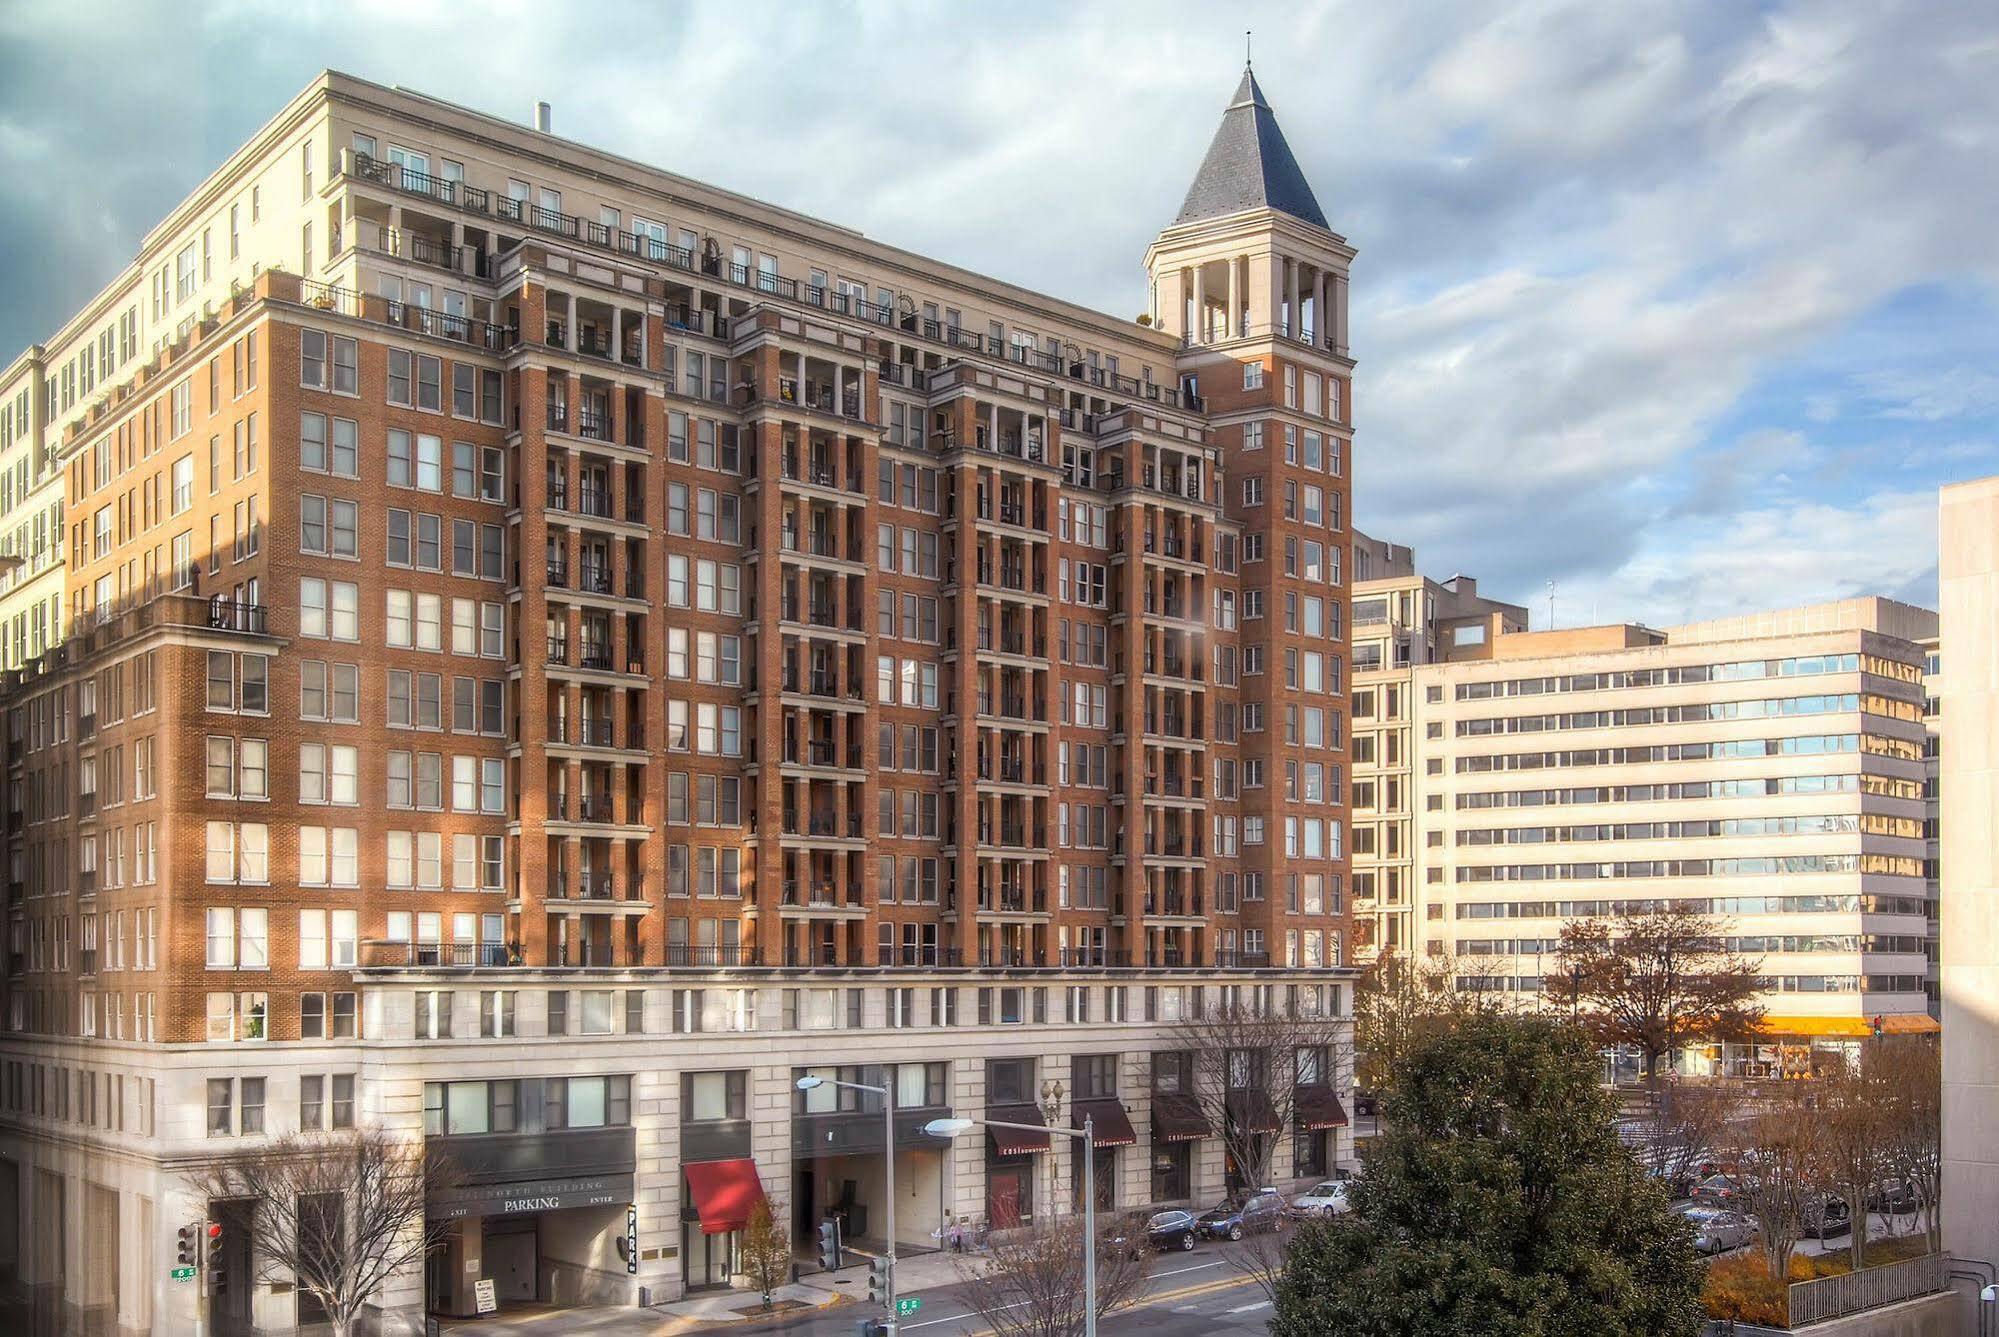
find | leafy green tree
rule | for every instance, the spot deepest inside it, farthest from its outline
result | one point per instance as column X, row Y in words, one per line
column 1497, row 1201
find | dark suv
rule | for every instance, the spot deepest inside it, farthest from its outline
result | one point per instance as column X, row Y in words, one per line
column 1237, row 1217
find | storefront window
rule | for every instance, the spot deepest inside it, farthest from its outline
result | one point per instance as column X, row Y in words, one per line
column 1170, row 1172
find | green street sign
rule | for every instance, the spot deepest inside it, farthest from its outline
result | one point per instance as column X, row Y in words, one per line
column 908, row 1304
column 181, row 1273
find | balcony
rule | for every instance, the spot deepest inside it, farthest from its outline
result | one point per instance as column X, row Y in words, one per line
column 1228, row 960
column 824, row 825
column 594, row 502
column 818, row 472
column 583, row 886
column 439, row 955
column 1013, row 901
column 582, row 733
column 688, row 955
column 1173, row 905
column 584, row 808
column 1011, row 958
column 819, row 896
column 409, row 181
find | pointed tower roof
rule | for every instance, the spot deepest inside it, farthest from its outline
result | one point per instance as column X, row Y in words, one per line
column 1249, row 166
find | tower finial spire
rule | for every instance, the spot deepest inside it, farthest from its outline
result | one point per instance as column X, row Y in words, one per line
column 1247, row 33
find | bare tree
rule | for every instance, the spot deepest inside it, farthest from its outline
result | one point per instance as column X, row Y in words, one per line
column 1030, row 1282
column 1909, row 1070
column 1781, row 1165
column 1401, row 999
column 336, row 1215
column 1250, row 1062
column 1688, row 1125
column 766, row 1251
column 1853, row 1110
column 1659, row 977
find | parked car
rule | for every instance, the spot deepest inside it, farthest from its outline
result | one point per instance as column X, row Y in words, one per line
column 1720, row 1190
column 1717, row 1230
column 1893, row 1196
column 1326, row 1199
column 1173, row 1229
column 1825, row 1215
column 1236, row 1217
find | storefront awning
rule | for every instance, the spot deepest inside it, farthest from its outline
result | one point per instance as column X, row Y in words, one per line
column 1250, row 1110
column 1317, row 1108
column 1857, row 1028
column 1017, row 1141
column 1177, row 1117
column 725, row 1192
column 1110, row 1126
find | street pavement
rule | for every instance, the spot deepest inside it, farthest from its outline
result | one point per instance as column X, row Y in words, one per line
column 1185, row 1294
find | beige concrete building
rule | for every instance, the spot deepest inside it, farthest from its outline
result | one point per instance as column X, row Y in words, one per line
column 1968, row 965
column 1402, row 620
column 1768, row 768
column 31, row 513
column 556, row 650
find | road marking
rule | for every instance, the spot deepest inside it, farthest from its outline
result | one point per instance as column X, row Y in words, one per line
column 1195, row 1268
column 1248, row 1309
column 1143, row 1305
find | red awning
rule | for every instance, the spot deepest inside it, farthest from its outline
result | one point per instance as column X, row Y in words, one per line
column 724, row 1192
column 1317, row 1108
column 1177, row 1117
column 1017, row 1141
column 1110, row 1126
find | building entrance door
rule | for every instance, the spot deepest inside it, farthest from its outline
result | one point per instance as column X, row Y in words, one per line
column 511, row 1259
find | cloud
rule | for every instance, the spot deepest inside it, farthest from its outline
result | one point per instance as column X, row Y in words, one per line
column 1588, row 234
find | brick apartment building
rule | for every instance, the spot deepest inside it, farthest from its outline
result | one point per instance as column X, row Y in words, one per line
column 555, row 650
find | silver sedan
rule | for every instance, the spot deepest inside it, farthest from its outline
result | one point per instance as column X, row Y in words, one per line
column 1717, row 1230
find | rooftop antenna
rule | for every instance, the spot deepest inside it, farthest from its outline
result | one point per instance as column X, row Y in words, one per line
column 1551, row 605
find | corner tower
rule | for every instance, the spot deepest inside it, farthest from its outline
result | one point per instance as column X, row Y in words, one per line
column 1253, row 282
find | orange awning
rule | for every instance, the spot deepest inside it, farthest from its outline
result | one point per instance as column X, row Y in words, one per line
column 1856, row 1028
column 1910, row 1023
column 724, row 1192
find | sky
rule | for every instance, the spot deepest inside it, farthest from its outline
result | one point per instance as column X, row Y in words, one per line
column 1685, row 308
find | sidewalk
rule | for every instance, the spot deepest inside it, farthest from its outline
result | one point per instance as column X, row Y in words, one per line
column 919, row 1274
column 914, row 1275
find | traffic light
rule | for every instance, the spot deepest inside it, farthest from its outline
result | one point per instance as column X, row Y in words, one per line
column 878, row 1280
column 187, row 1250
column 218, row 1275
column 829, row 1246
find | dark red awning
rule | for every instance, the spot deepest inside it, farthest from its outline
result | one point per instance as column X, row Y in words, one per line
column 1110, row 1126
column 1317, row 1109
column 1251, row 1111
column 725, row 1192
column 1177, row 1117
column 1017, row 1141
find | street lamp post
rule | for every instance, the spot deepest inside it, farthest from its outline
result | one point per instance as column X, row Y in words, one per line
column 953, row 1127
column 888, row 1153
